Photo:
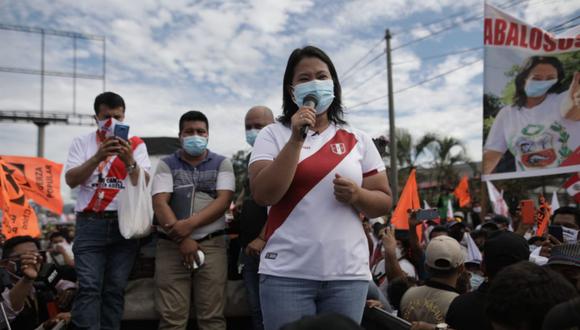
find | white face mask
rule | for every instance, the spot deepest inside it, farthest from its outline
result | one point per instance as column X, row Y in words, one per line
column 477, row 209
column 106, row 127
column 570, row 235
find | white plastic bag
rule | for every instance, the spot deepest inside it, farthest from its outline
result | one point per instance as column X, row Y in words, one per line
column 135, row 208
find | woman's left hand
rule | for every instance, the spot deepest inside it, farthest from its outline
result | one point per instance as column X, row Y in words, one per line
column 345, row 190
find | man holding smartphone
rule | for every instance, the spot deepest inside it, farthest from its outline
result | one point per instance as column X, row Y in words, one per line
column 98, row 164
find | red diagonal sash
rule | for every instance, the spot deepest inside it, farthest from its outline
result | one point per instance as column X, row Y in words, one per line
column 118, row 171
column 308, row 174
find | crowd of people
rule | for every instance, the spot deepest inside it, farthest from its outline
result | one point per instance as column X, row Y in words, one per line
column 317, row 249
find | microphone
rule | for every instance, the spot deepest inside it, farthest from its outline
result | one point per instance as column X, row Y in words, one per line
column 310, row 100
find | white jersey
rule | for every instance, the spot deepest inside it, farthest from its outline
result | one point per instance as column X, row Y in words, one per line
column 310, row 234
column 82, row 149
column 538, row 137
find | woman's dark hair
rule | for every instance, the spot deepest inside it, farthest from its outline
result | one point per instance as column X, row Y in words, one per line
column 289, row 108
column 520, row 97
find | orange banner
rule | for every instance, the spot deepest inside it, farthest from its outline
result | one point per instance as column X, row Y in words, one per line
column 409, row 199
column 18, row 217
column 38, row 177
column 462, row 192
column 543, row 216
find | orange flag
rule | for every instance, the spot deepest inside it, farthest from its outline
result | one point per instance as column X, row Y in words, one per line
column 462, row 192
column 18, row 217
column 38, row 177
column 543, row 216
column 409, row 199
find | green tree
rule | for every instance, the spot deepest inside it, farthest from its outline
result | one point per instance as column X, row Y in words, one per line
column 445, row 153
column 240, row 164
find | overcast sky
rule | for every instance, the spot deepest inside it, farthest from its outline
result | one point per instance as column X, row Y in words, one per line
column 222, row 57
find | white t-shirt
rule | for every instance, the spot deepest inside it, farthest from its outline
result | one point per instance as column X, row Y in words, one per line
column 84, row 147
column 538, row 137
column 311, row 234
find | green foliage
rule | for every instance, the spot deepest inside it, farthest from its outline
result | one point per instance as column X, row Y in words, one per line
column 240, row 164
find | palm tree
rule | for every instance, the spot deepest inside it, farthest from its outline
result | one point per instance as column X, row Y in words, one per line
column 445, row 152
column 407, row 151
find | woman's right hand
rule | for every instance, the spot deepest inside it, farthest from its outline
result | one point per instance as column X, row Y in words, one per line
column 304, row 116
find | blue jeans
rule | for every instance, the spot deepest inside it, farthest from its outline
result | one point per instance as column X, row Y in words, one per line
column 103, row 261
column 285, row 300
column 252, row 282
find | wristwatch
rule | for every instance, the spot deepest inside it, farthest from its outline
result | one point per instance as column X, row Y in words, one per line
column 441, row 326
column 131, row 167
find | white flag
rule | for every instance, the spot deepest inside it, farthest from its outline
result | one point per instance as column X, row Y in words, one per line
column 499, row 205
column 473, row 253
column 426, row 205
column 554, row 204
column 449, row 210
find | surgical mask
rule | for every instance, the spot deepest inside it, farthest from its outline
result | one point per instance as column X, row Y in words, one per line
column 194, row 145
column 477, row 209
column 476, row 280
column 105, row 127
column 535, row 88
column 570, row 235
column 251, row 135
column 322, row 89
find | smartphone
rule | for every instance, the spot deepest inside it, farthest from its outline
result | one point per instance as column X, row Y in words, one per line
column 528, row 210
column 121, row 131
column 428, row 214
column 557, row 232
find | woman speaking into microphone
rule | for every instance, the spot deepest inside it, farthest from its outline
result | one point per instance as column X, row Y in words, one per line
column 317, row 174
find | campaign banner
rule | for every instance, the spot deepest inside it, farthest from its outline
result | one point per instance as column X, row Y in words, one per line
column 531, row 99
column 39, row 178
column 18, row 217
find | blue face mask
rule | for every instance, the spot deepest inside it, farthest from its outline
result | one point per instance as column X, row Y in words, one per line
column 194, row 145
column 323, row 89
column 251, row 136
column 476, row 280
column 536, row 88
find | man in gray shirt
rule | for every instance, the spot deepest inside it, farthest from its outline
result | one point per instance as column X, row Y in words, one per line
column 191, row 190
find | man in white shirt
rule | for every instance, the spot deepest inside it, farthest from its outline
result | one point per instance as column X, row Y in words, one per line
column 100, row 165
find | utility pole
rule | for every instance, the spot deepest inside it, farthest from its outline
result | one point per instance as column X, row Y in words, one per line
column 392, row 139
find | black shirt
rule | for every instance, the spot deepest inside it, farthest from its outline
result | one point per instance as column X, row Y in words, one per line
column 253, row 216
column 467, row 311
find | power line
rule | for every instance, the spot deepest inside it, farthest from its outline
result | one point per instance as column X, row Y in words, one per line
column 465, row 20
column 376, row 74
column 434, row 33
column 347, row 76
column 437, row 76
column 349, row 73
column 562, row 26
column 415, row 85
column 563, row 23
column 440, row 55
column 362, row 58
